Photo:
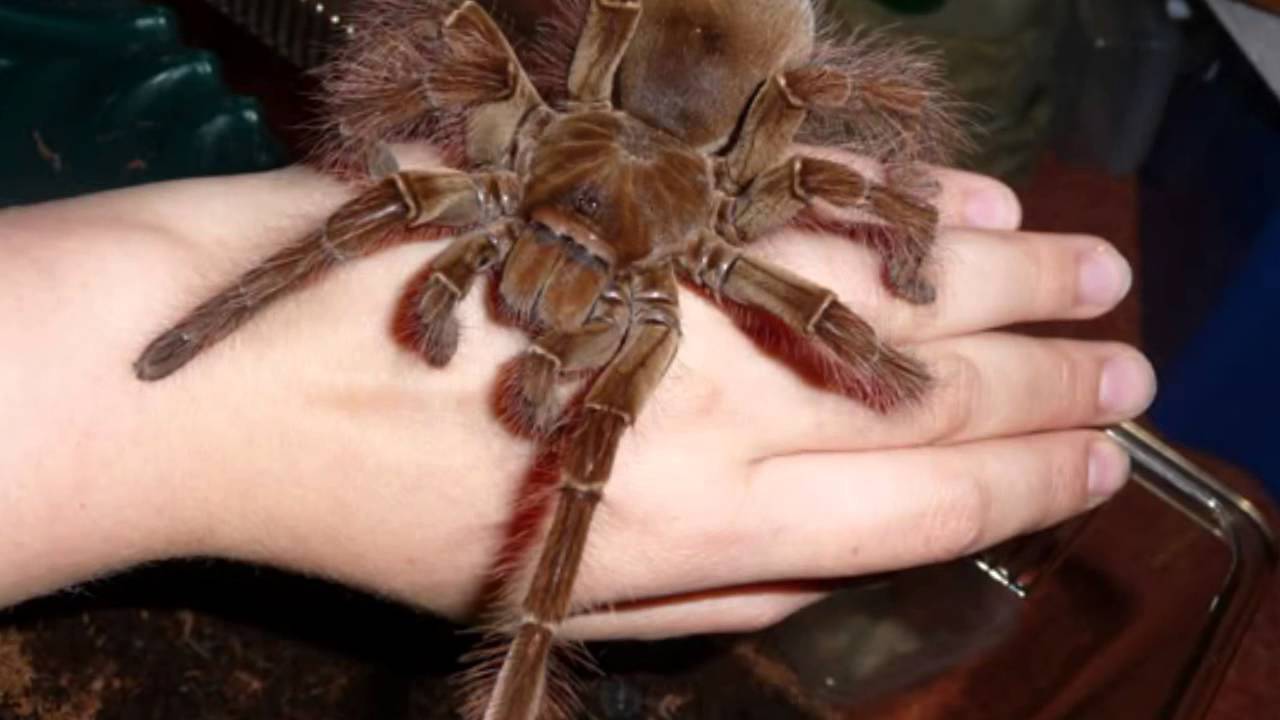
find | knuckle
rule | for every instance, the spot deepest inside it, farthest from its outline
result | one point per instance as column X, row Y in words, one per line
column 1066, row 482
column 901, row 322
column 959, row 522
column 700, row 402
column 960, row 387
column 1054, row 277
column 689, row 393
column 1076, row 383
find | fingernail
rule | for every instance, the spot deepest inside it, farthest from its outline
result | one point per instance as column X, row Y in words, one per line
column 992, row 209
column 1127, row 387
column 1105, row 278
column 1108, row 471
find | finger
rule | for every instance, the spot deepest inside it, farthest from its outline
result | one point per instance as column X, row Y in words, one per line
column 849, row 514
column 984, row 280
column 854, row 514
column 965, row 199
column 985, row 386
column 737, row 610
column 977, row 201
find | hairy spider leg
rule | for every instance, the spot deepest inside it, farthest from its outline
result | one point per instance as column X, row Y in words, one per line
column 901, row 228
column 423, row 71
column 854, row 359
column 556, row 354
column 360, row 227
column 479, row 71
column 610, row 26
column 791, row 192
column 380, row 162
column 451, row 276
column 482, row 73
column 775, row 115
column 611, row 405
column 897, row 110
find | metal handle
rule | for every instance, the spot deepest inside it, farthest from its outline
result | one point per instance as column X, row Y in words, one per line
column 1020, row 564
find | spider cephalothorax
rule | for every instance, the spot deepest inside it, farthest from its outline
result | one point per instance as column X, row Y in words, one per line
column 639, row 155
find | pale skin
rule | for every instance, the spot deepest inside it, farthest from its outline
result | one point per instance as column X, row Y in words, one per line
column 312, row 441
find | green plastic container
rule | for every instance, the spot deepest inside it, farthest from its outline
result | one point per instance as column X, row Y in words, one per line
column 98, row 95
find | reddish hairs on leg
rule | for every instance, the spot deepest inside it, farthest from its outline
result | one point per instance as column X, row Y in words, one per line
column 899, row 228
column 501, row 613
column 527, row 398
column 886, row 376
column 843, row 355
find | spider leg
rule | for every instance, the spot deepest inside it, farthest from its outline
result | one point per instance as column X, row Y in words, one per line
column 360, row 227
column 898, row 110
column 480, row 71
column 855, row 360
column 901, row 227
column 609, row 28
column 770, row 195
column 558, row 353
column 452, row 274
column 775, row 115
column 439, row 72
column 612, row 404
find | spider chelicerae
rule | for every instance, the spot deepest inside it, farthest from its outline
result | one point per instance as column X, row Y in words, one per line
column 627, row 148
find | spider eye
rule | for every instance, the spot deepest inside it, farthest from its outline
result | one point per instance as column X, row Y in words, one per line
column 587, row 203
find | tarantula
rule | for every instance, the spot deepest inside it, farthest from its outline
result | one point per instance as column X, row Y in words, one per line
column 621, row 152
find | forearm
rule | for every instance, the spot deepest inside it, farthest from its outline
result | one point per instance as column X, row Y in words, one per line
column 262, row 450
column 80, row 493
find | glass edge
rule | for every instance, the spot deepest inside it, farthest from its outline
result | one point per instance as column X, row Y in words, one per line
column 1236, row 522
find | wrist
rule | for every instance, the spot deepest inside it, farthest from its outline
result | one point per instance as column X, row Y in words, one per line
column 80, row 496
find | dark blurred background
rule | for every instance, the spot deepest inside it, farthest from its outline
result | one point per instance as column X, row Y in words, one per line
column 1153, row 123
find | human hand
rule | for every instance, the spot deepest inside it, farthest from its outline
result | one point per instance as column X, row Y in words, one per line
column 311, row 440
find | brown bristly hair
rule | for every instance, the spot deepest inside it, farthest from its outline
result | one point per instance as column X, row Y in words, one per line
column 859, row 367
column 395, row 81
column 374, row 89
column 897, row 111
column 548, row 54
column 903, row 229
column 498, row 610
column 473, row 68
